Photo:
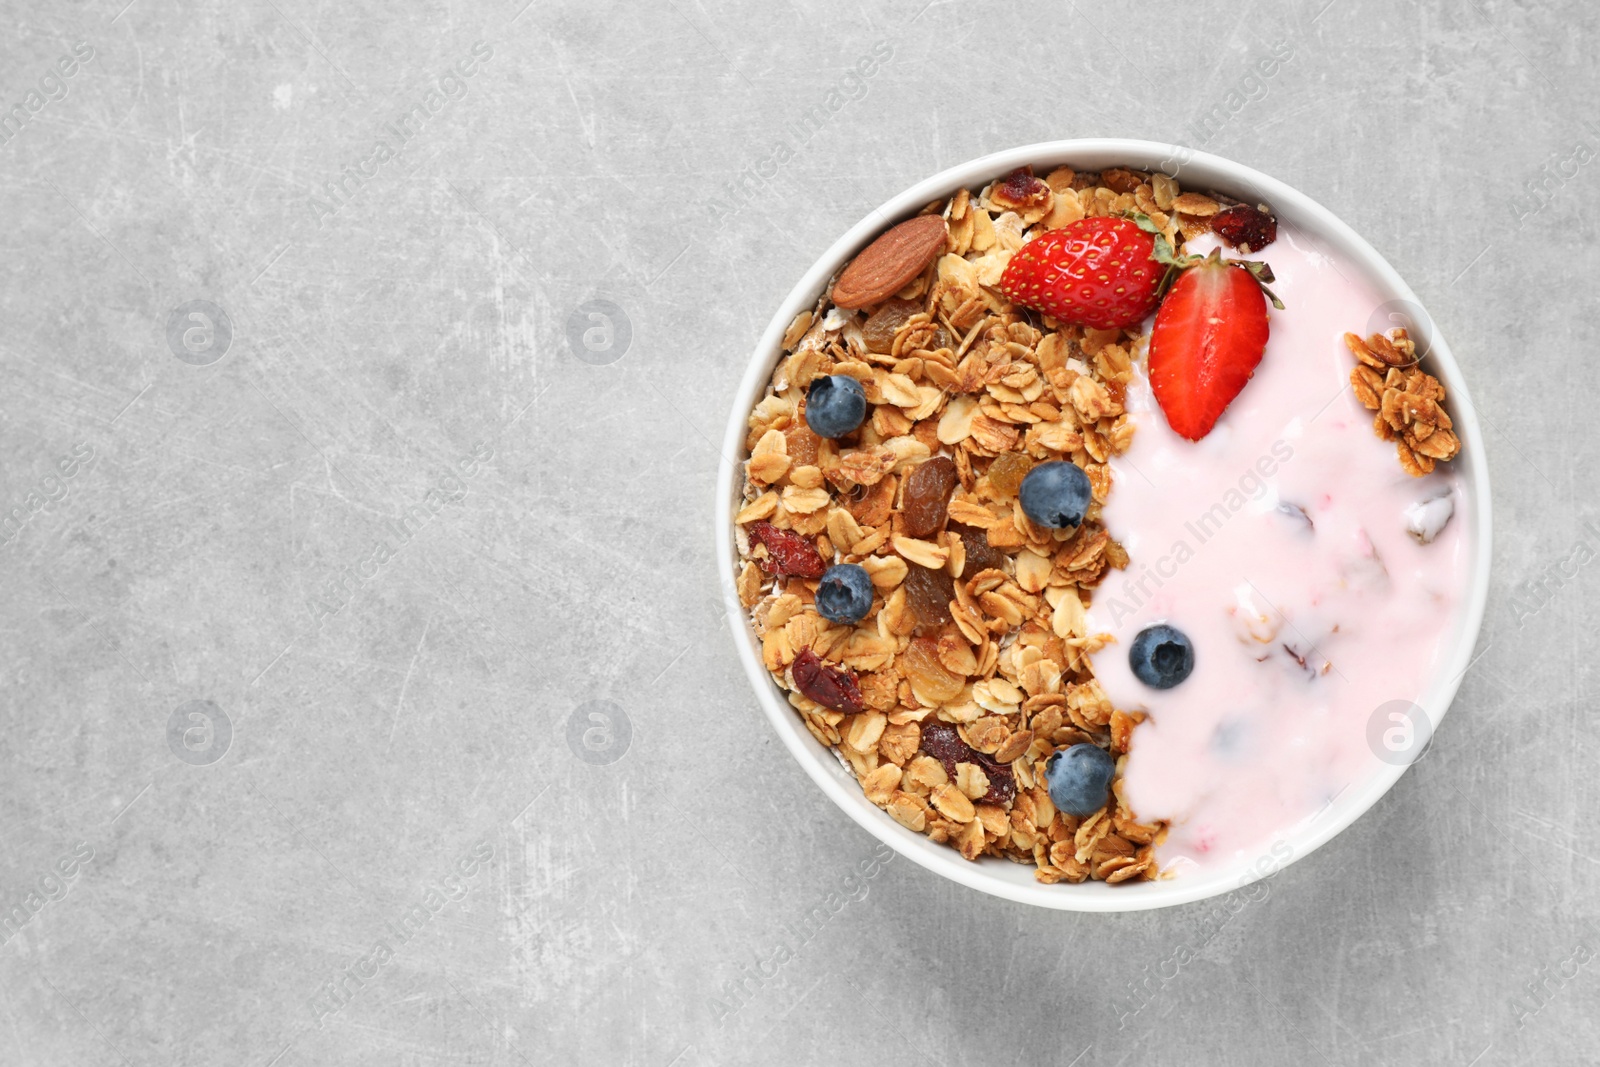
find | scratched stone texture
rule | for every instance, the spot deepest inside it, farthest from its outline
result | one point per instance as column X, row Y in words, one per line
column 364, row 689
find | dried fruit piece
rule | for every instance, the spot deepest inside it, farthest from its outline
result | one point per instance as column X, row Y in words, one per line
column 790, row 554
column 1007, row 471
column 938, row 337
column 930, row 682
column 926, row 496
column 928, row 595
column 981, row 556
column 803, row 445
column 885, row 266
column 1246, row 228
column 885, row 322
column 1020, row 191
column 831, row 687
column 941, row 741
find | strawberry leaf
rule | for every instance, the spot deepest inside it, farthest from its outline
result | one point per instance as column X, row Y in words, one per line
column 1176, row 263
column 1164, row 253
column 1263, row 275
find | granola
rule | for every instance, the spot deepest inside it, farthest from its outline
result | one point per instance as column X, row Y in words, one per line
column 1409, row 402
column 972, row 666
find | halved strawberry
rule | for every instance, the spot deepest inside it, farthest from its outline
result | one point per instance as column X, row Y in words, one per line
column 1093, row 272
column 1208, row 339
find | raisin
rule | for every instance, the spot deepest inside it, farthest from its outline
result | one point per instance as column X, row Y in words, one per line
column 803, row 445
column 980, row 555
column 791, row 555
column 832, row 687
column 1007, row 471
column 885, row 322
column 930, row 681
column 927, row 495
column 1245, row 227
column 941, row 741
column 928, row 595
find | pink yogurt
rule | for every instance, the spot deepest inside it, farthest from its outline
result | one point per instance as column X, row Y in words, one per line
column 1253, row 742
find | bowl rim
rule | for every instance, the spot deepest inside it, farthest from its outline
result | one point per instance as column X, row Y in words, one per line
column 994, row 875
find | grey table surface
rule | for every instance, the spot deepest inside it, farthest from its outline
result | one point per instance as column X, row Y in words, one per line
column 243, row 745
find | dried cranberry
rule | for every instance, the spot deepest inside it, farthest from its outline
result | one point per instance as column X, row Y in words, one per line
column 1245, row 228
column 941, row 741
column 791, row 555
column 1019, row 190
column 831, row 687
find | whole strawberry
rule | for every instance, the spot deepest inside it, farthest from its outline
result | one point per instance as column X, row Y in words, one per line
column 1097, row 272
column 1209, row 336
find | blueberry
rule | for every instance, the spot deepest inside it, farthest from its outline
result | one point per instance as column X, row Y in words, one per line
column 835, row 405
column 844, row 594
column 1161, row 656
column 1231, row 740
column 1056, row 495
column 1078, row 779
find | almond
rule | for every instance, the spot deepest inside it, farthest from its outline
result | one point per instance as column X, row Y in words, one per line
column 885, row 266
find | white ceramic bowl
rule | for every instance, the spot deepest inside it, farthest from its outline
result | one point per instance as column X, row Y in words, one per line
column 1015, row 881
